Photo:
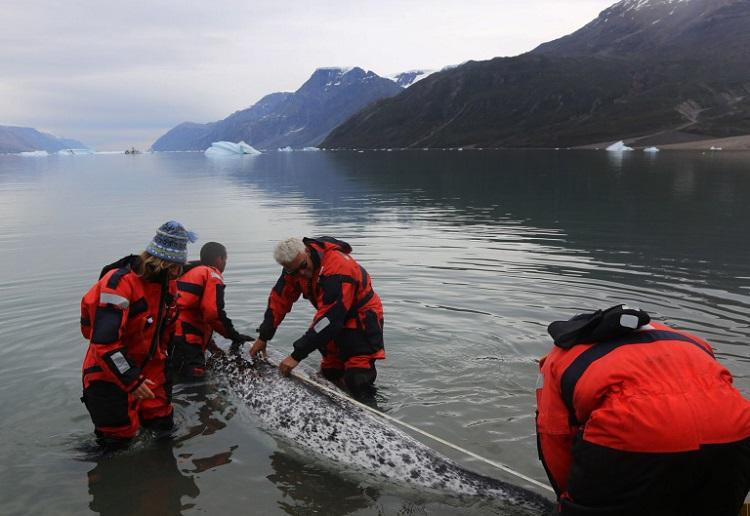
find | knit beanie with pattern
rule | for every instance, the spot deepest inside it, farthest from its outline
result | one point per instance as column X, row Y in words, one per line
column 170, row 242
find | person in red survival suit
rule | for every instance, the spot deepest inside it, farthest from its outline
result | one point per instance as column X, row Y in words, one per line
column 128, row 317
column 348, row 325
column 636, row 418
column 201, row 312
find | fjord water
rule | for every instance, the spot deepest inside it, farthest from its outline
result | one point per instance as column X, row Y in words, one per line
column 473, row 253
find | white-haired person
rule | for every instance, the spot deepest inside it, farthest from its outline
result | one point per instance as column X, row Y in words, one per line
column 347, row 327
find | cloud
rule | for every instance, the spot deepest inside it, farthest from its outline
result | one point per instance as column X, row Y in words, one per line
column 141, row 67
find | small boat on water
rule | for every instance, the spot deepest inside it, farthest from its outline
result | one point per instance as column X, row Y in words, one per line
column 132, row 150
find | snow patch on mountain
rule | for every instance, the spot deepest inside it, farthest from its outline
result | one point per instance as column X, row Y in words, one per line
column 406, row 79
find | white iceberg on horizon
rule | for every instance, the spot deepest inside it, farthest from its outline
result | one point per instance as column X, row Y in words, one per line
column 34, row 154
column 226, row 149
column 619, row 147
column 311, row 149
column 715, row 148
column 285, row 149
column 75, row 152
column 651, row 150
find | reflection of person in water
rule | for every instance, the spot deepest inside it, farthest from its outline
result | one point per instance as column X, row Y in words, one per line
column 310, row 488
column 144, row 481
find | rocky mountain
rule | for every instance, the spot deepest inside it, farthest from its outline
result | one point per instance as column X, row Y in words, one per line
column 674, row 28
column 25, row 139
column 300, row 119
column 656, row 71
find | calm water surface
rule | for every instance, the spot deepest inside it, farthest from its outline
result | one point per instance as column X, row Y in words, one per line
column 473, row 253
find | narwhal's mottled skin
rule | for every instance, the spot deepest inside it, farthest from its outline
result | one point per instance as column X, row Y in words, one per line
column 340, row 431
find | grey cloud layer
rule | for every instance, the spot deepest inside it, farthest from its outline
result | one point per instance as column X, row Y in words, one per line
column 138, row 67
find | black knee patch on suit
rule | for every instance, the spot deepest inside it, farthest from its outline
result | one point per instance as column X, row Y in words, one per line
column 159, row 424
column 332, row 375
column 360, row 382
column 107, row 404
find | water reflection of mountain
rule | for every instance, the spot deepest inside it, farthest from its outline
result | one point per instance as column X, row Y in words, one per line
column 634, row 212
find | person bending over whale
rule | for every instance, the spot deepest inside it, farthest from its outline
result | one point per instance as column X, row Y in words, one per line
column 201, row 312
column 348, row 325
column 636, row 418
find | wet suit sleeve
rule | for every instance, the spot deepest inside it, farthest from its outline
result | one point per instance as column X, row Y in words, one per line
column 212, row 307
column 110, row 316
column 554, row 431
column 280, row 301
column 337, row 291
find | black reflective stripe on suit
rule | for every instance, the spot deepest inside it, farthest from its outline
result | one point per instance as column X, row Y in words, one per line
column 229, row 331
column 190, row 288
column 189, row 329
column 138, row 307
column 114, row 280
column 575, row 370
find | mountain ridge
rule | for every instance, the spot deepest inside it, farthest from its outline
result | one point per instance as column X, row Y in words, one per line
column 15, row 139
column 299, row 119
column 618, row 77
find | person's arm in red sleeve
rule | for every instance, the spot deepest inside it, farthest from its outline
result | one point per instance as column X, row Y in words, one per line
column 108, row 326
column 212, row 308
column 337, row 292
column 280, row 301
column 554, row 431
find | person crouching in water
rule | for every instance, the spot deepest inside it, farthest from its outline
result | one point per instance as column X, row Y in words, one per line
column 636, row 418
column 201, row 312
column 128, row 317
column 347, row 327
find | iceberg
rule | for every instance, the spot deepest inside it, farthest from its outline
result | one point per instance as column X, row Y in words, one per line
column 33, row 154
column 75, row 152
column 715, row 148
column 651, row 150
column 226, row 149
column 619, row 147
column 286, row 149
column 311, row 149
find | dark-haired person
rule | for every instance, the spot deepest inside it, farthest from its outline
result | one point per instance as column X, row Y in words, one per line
column 347, row 327
column 128, row 317
column 637, row 418
column 201, row 312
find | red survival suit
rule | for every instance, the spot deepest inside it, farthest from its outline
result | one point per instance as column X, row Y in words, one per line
column 201, row 312
column 119, row 317
column 642, row 422
column 348, row 326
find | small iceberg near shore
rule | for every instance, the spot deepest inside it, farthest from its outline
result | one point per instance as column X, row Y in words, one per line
column 715, row 148
column 285, row 149
column 34, row 154
column 619, row 147
column 227, row 149
column 651, row 150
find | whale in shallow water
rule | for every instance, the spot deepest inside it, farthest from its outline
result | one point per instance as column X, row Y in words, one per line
column 337, row 430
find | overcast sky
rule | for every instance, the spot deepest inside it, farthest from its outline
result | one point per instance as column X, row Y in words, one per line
column 120, row 73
